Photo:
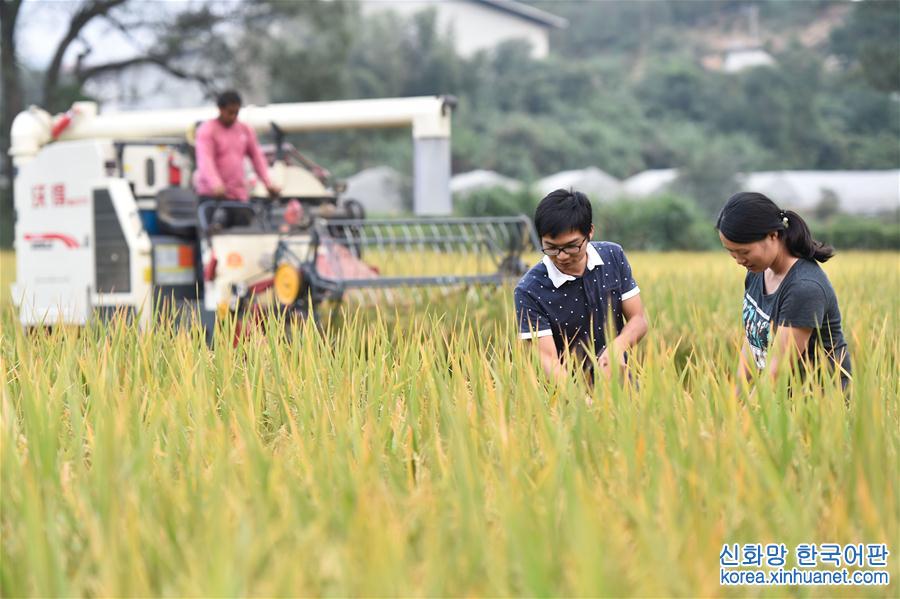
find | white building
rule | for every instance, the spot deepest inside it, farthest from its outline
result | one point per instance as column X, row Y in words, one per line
column 476, row 25
column 597, row 184
column 381, row 190
column 649, row 182
column 466, row 183
column 856, row 192
column 740, row 59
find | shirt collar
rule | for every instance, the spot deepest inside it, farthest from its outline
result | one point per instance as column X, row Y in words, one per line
column 557, row 277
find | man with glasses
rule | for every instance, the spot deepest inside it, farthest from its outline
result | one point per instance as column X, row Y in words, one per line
column 564, row 301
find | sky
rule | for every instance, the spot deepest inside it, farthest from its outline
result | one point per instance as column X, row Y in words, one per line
column 43, row 23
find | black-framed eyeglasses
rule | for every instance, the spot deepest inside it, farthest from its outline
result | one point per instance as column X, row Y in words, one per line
column 569, row 250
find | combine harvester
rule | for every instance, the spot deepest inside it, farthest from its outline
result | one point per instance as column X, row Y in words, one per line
column 106, row 221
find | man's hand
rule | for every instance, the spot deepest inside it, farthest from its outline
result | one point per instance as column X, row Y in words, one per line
column 634, row 330
column 273, row 190
column 219, row 191
column 550, row 359
column 604, row 360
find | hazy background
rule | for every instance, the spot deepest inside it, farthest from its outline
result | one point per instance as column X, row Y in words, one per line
column 659, row 109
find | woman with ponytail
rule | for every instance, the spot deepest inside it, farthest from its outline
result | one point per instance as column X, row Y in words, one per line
column 790, row 311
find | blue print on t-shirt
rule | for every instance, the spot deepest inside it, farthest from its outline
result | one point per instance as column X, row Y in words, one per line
column 756, row 325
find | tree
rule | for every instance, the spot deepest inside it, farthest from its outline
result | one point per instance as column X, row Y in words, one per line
column 81, row 19
column 870, row 41
column 829, row 206
column 12, row 105
column 12, row 89
column 709, row 167
column 200, row 42
column 57, row 84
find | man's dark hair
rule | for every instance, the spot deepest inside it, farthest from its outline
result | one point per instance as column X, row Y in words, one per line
column 562, row 211
column 228, row 98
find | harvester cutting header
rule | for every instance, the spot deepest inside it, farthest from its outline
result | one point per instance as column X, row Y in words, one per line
column 106, row 219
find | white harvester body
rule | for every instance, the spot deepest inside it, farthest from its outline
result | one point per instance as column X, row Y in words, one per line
column 79, row 243
column 86, row 197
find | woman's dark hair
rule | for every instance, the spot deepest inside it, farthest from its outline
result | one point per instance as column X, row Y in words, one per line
column 562, row 211
column 228, row 98
column 749, row 216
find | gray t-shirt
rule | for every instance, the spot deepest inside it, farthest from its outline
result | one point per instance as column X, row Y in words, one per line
column 804, row 299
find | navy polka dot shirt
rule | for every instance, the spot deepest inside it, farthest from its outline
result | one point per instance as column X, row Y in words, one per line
column 573, row 309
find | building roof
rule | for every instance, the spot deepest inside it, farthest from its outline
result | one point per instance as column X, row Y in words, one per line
column 746, row 58
column 597, row 184
column 857, row 192
column 527, row 12
column 380, row 189
column 649, row 182
column 464, row 183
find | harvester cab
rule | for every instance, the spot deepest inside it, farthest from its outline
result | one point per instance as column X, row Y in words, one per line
column 107, row 221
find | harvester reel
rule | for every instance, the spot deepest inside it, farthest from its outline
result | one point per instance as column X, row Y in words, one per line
column 418, row 252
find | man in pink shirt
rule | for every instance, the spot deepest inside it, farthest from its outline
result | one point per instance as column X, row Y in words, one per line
column 222, row 144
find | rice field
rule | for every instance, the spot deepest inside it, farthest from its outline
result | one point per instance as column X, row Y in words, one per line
column 421, row 452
